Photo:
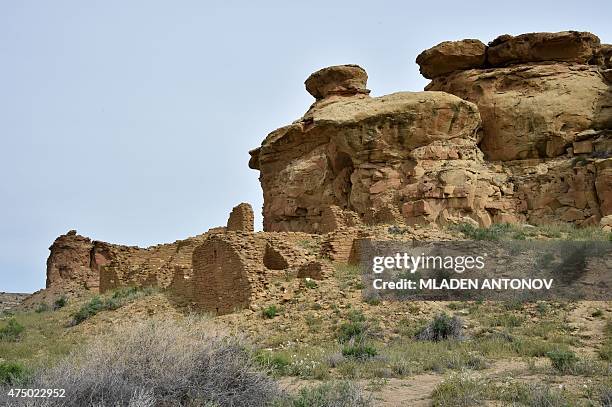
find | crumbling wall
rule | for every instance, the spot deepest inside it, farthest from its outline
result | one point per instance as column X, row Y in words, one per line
column 241, row 218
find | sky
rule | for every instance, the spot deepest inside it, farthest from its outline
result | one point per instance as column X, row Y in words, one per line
column 131, row 121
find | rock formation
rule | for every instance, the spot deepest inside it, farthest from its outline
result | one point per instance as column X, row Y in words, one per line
column 406, row 157
column 513, row 131
column 546, row 109
column 426, row 157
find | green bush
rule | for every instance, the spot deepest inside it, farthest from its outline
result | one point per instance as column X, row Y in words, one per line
column 497, row 231
column 273, row 360
column 442, row 327
column 11, row 373
column 60, row 303
column 350, row 330
column 42, row 307
column 270, row 312
column 562, row 360
column 359, row 351
column 338, row 394
column 12, row 331
column 310, row 283
column 88, row 310
column 355, row 328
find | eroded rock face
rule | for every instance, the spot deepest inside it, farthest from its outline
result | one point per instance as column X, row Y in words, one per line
column 566, row 46
column 68, row 264
column 408, row 156
column 536, row 93
column 533, row 111
column 449, row 56
column 546, row 106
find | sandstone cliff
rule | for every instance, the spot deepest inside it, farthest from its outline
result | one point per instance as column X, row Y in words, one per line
column 503, row 151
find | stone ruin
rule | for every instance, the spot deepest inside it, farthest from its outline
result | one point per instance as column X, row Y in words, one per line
column 518, row 130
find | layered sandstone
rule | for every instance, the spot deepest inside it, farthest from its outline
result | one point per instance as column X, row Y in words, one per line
column 406, row 157
column 546, row 105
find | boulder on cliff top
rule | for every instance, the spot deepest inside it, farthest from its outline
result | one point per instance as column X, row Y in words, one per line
column 343, row 80
column 565, row 46
column 449, row 56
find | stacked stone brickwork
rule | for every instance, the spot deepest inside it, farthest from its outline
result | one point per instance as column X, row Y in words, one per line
column 241, row 218
column 233, row 269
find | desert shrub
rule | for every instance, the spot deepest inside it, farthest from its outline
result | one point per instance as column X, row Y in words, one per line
column 270, row 311
column 331, row 394
column 359, row 351
column 310, row 283
column 351, row 329
column 12, row 331
column 442, row 327
column 458, row 391
column 159, row 363
column 354, row 328
column 276, row 361
column 534, row 395
column 60, row 303
column 562, row 360
column 605, row 396
column 605, row 352
column 372, row 297
column 508, row 320
column 88, row 310
column 465, row 391
column 11, row 373
column 497, row 231
column 42, row 307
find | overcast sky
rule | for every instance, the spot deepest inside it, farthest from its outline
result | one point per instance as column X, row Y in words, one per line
column 131, row 121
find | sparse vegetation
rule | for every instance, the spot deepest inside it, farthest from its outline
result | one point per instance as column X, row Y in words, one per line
column 466, row 391
column 359, row 351
column 12, row 331
column 330, row 394
column 117, row 299
column 605, row 352
column 42, row 307
column 310, row 283
column 60, row 303
column 505, row 231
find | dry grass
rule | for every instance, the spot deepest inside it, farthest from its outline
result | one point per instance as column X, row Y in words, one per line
column 159, row 362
